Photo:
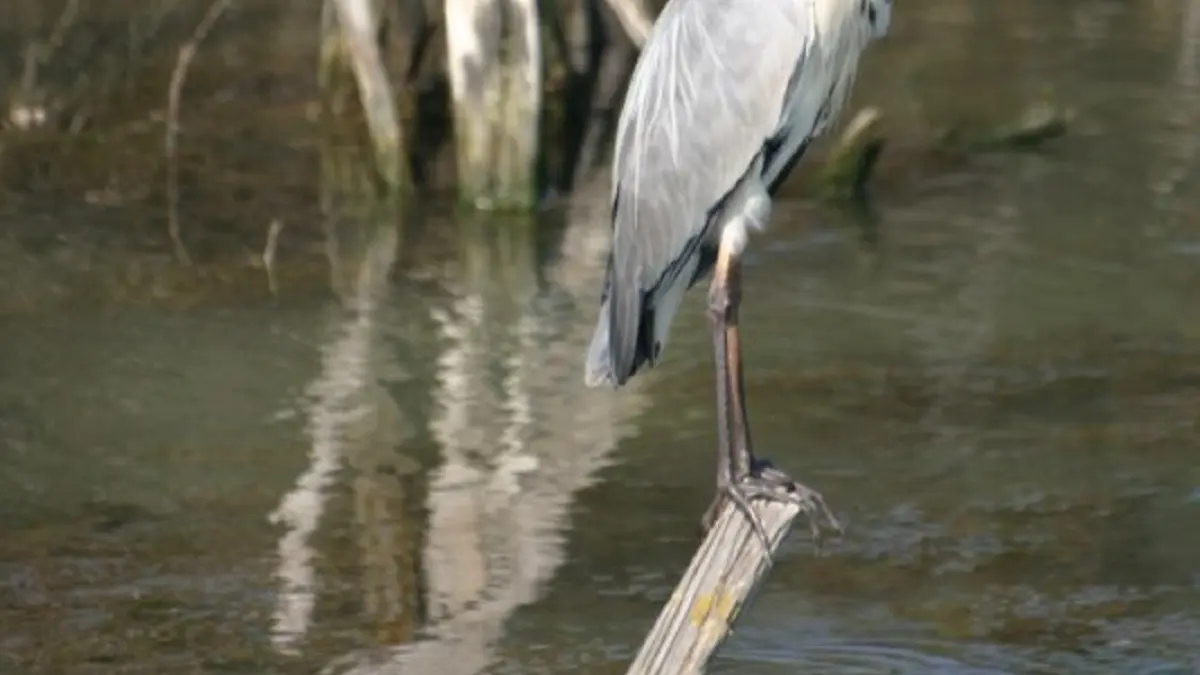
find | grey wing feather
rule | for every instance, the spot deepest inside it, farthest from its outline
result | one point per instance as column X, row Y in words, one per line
column 708, row 92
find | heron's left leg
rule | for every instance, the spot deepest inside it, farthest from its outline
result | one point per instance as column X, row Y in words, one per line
column 732, row 461
column 747, row 477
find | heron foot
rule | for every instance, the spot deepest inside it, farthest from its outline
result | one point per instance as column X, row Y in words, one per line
column 765, row 482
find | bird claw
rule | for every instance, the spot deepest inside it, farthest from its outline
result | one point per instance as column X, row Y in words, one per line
column 765, row 482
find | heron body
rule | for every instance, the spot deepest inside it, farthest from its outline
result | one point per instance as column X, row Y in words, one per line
column 725, row 98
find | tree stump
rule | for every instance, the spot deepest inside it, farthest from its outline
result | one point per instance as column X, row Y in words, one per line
column 496, row 88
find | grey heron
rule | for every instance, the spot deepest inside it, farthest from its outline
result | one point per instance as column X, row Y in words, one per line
column 725, row 98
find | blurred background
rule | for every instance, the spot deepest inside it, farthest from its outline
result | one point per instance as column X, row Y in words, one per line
column 290, row 384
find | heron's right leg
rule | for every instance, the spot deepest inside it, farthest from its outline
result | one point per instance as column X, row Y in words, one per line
column 740, row 476
column 755, row 478
column 718, row 302
column 733, row 457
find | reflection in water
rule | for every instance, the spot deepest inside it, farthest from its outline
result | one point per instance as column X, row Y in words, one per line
column 518, row 434
column 345, row 417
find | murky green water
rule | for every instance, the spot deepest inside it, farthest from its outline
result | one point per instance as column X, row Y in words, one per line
column 1000, row 399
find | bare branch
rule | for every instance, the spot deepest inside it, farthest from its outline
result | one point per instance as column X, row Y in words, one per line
column 186, row 53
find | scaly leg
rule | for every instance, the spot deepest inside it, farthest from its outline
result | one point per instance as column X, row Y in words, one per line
column 740, row 476
column 716, row 315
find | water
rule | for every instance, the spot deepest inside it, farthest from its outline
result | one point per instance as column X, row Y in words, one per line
column 998, row 398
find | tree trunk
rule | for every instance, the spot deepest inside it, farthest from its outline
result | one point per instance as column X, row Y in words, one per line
column 495, row 81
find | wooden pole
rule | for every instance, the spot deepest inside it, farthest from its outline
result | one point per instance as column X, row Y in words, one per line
column 357, row 26
column 634, row 18
column 723, row 575
column 495, row 82
column 613, row 68
column 472, row 44
column 517, row 150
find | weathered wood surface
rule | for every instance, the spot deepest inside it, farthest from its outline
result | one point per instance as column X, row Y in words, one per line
column 723, row 575
column 357, row 26
column 634, row 18
column 494, row 57
column 593, row 52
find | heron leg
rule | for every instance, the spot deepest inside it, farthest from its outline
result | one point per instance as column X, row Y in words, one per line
column 727, row 456
column 739, row 424
column 741, row 477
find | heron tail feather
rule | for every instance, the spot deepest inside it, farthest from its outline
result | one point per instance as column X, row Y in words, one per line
column 599, row 367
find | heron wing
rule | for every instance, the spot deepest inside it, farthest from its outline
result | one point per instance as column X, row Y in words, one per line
column 707, row 94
